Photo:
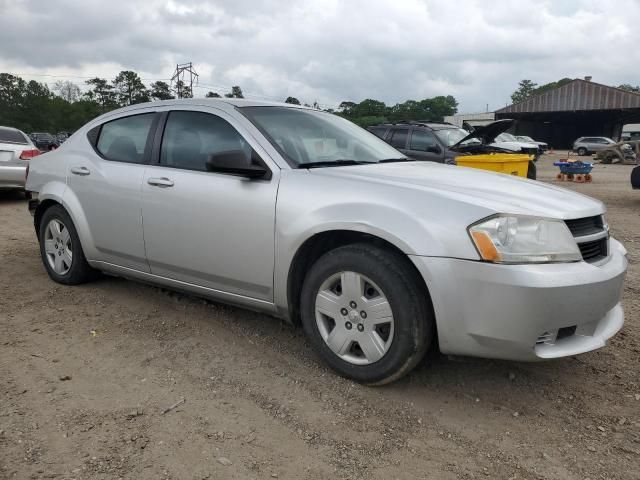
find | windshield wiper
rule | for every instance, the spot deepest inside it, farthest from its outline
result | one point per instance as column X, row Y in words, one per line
column 401, row 159
column 332, row 163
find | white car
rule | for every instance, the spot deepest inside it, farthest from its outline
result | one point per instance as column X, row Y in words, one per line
column 16, row 149
column 301, row 214
column 509, row 142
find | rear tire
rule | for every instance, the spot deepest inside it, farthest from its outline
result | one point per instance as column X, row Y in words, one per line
column 60, row 248
column 398, row 318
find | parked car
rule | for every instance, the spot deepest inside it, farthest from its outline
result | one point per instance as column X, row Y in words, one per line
column 589, row 145
column 443, row 142
column 44, row 141
column 510, row 142
column 16, row 149
column 301, row 214
column 61, row 137
column 544, row 146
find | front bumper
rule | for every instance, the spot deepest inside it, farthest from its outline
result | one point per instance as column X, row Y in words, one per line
column 525, row 312
column 12, row 176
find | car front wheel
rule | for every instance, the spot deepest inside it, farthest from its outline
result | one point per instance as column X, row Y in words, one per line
column 366, row 314
column 60, row 248
column 582, row 151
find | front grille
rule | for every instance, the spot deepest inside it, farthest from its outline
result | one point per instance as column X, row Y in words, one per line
column 593, row 251
column 592, row 237
column 580, row 227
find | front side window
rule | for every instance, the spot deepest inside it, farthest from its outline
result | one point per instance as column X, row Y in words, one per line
column 124, row 139
column 190, row 138
column 423, row 141
column 306, row 137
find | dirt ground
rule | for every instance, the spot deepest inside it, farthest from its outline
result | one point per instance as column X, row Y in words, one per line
column 86, row 372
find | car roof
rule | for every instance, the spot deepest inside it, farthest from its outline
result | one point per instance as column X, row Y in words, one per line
column 430, row 124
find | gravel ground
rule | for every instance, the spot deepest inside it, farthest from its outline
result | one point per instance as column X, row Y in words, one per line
column 86, row 373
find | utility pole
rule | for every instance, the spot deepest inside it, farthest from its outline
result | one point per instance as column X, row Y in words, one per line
column 184, row 71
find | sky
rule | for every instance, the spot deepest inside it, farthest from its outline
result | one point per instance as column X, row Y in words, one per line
column 329, row 51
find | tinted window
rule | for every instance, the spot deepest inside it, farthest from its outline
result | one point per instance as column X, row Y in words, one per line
column 12, row 136
column 124, row 139
column 378, row 131
column 190, row 137
column 424, row 141
column 399, row 138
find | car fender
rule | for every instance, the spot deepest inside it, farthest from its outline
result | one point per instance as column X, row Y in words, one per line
column 382, row 221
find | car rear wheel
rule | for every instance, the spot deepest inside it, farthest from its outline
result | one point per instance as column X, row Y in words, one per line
column 365, row 313
column 60, row 248
column 582, row 151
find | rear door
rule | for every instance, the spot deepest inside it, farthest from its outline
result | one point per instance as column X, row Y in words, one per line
column 423, row 145
column 107, row 182
column 205, row 228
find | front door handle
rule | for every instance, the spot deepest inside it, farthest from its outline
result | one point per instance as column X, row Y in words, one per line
column 80, row 171
column 160, row 182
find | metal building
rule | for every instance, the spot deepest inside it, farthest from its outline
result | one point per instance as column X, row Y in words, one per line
column 576, row 109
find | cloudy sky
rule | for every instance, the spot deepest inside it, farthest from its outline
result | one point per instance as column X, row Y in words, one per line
column 328, row 50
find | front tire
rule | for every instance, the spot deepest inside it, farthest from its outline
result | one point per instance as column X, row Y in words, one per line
column 366, row 314
column 60, row 248
column 582, row 151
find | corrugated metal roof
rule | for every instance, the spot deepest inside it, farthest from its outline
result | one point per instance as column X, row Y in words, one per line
column 576, row 95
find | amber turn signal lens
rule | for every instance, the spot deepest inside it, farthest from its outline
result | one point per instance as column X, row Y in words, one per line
column 485, row 246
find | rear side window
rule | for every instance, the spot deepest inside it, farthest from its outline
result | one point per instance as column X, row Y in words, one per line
column 191, row 137
column 424, row 142
column 12, row 136
column 378, row 131
column 124, row 139
column 399, row 138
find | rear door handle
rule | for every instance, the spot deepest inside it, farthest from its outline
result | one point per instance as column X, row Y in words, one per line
column 160, row 182
column 80, row 171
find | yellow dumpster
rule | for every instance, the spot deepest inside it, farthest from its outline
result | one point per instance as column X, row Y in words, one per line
column 509, row 163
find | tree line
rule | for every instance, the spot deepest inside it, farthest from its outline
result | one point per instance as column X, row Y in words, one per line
column 64, row 107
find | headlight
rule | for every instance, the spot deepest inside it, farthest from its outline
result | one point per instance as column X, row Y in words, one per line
column 518, row 239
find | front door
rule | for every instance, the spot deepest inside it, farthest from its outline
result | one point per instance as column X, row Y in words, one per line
column 423, row 145
column 204, row 228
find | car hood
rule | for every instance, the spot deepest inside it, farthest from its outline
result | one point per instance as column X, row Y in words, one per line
column 488, row 133
column 498, row 193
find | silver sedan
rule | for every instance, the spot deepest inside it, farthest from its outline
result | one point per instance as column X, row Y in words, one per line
column 303, row 215
column 16, row 149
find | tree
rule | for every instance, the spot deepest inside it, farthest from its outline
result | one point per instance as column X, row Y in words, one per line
column 292, row 100
column 236, row 92
column 629, row 88
column 102, row 92
column 161, row 91
column 182, row 90
column 212, row 95
column 129, row 88
column 524, row 91
column 67, row 90
column 346, row 107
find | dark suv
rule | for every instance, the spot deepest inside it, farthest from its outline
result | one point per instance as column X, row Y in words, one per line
column 442, row 142
column 422, row 140
column 44, row 141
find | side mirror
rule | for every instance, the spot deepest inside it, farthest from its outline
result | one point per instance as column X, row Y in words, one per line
column 235, row 162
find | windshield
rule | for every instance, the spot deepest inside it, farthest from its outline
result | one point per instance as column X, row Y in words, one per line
column 524, row 138
column 506, row 137
column 451, row 136
column 311, row 137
